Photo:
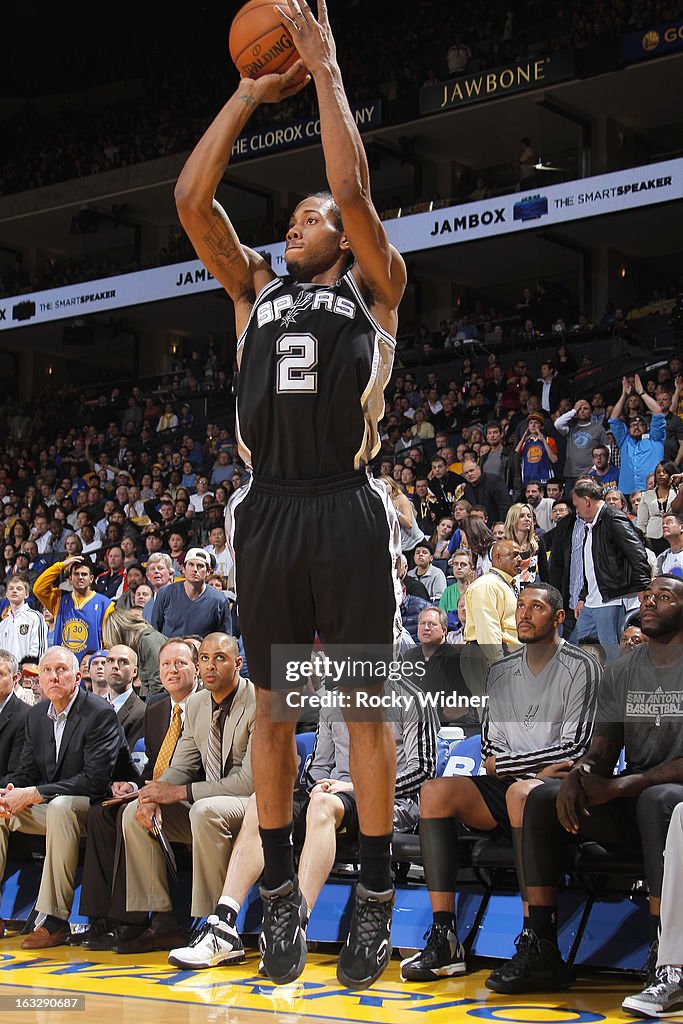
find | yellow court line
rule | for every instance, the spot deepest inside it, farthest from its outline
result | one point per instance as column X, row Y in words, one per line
column 316, row 996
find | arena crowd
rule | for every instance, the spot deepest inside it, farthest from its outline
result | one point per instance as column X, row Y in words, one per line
column 541, row 568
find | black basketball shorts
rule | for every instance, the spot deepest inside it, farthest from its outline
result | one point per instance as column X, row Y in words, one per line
column 492, row 791
column 314, row 557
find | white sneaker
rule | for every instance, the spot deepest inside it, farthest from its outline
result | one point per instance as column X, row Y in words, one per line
column 662, row 999
column 217, row 943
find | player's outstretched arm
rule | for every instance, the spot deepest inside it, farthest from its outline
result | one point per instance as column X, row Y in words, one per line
column 241, row 271
column 381, row 266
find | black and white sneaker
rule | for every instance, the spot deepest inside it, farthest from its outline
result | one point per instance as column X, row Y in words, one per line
column 536, row 967
column 651, row 963
column 664, row 998
column 285, row 917
column 368, row 947
column 216, row 943
column 261, row 947
column 442, row 957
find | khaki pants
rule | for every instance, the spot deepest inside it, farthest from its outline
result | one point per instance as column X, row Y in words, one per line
column 62, row 822
column 210, row 825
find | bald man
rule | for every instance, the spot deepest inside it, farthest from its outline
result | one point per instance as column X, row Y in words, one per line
column 491, row 601
column 490, row 627
column 120, row 673
column 199, row 799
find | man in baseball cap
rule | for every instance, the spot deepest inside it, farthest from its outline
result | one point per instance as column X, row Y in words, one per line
column 537, row 452
column 190, row 606
column 202, row 555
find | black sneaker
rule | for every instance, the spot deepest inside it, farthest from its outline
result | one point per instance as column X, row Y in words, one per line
column 285, row 916
column 651, row 964
column 498, row 975
column 442, row 957
column 536, row 967
column 368, row 948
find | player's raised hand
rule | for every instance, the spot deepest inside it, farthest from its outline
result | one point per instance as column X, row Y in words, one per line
column 274, row 88
column 313, row 39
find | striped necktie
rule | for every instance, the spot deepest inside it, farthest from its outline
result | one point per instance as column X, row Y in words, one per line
column 169, row 743
column 214, row 749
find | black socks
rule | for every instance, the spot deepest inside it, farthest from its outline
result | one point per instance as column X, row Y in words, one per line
column 278, row 856
column 375, row 862
column 543, row 922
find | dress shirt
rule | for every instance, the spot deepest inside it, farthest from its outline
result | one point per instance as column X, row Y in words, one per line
column 59, row 721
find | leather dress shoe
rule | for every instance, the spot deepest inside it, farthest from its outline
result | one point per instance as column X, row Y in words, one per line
column 113, row 936
column 152, row 940
column 105, row 940
column 97, row 926
column 41, row 938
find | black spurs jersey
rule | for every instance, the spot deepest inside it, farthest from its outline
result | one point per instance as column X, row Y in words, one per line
column 313, row 365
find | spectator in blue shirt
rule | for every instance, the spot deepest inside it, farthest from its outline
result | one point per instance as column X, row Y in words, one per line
column 640, row 452
column 222, row 470
column 602, row 471
column 190, row 606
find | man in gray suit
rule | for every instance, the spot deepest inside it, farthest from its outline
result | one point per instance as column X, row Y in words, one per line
column 200, row 798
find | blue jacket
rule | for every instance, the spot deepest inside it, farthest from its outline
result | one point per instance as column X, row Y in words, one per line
column 410, row 613
column 639, row 458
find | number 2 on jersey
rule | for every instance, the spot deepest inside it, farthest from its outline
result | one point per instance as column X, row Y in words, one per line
column 298, row 357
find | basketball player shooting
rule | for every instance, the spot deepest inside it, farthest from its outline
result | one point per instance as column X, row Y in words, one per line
column 314, row 536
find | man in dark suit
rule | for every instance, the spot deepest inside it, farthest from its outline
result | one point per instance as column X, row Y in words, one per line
column 566, row 565
column 13, row 714
column 73, row 740
column 120, row 672
column 486, row 490
column 552, row 389
column 103, row 887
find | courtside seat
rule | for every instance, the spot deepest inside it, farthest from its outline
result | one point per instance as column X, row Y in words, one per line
column 598, row 864
column 406, row 848
column 304, row 750
column 454, row 757
column 591, row 867
column 492, row 854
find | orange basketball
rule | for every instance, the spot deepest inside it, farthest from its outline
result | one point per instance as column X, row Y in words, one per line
column 259, row 42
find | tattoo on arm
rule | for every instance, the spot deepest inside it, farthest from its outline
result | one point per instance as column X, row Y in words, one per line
column 248, row 101
column 222, row 245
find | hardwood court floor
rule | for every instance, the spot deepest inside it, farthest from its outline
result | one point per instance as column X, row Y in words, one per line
column 146, row 990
